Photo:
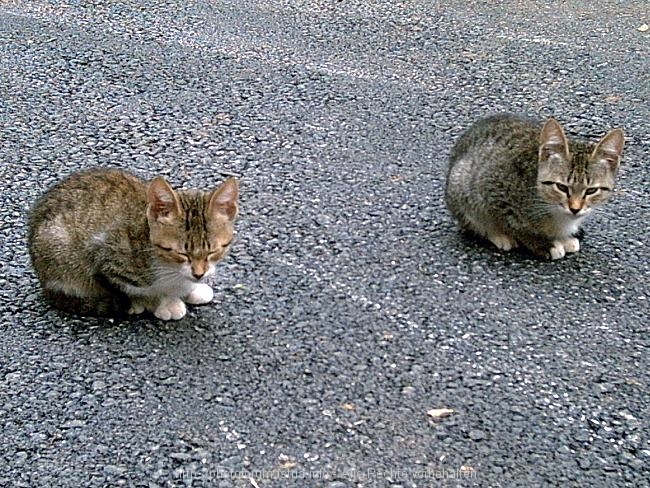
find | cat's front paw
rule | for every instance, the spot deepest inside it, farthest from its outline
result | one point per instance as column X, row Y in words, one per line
column 137, row 307
column 572, row 244
column 170, row 308
column 561, row 248
column 200, row 294
column 502, row 241
column 557, row 251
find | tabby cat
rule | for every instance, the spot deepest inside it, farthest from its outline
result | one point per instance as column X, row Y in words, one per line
column 103, row 241
column 517, row 182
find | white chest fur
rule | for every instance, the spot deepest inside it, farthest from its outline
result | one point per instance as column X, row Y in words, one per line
column 566, row 225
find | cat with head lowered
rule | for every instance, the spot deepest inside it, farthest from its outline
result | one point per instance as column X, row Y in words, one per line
column 520, row 182
column 104, row 241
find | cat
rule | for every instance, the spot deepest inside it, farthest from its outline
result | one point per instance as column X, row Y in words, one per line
column 520, row 182
column 105, row 242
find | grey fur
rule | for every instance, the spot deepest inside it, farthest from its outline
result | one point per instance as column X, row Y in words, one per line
column 518, row 181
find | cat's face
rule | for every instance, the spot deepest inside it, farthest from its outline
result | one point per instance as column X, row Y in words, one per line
column 576, row 181
column 191, row 231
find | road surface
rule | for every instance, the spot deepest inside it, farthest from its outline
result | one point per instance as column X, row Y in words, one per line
column 350, row 308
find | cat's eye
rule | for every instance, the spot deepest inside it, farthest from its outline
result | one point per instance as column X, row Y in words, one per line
column 226, row 244
column 178, row 254
column 591, row 191
column 180, row 257
column 562, row 188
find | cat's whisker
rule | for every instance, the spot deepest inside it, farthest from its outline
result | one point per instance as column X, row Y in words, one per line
column 601, row 213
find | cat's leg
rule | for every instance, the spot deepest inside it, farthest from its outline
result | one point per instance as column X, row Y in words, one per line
column 165, row 308
column 170, row 308
column 84, row 300
column 502, row 241
column 540, row 245
column 138, row 305
column 200, row 294
column 557, row 250
column 495, row 236
column 571, row 244
column 560, row 248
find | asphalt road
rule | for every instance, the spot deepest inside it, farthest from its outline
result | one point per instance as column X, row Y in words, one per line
column 350, row 306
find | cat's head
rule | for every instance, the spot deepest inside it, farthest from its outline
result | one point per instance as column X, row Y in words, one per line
column 576, row 178
column 191, row 230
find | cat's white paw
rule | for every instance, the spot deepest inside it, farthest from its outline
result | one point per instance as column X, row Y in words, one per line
column 571, row 244
column 557, row 251
column 136, row 308
column 170, row 308
column 200, row 294
column 502, row 241
column 561, row 248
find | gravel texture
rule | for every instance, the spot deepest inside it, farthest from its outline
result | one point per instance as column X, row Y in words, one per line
column 349, row 306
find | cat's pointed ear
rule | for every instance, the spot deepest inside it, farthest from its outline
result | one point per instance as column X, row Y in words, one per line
column 610, row 148
column 163, row 202
column 223, row 200
column 553, row 141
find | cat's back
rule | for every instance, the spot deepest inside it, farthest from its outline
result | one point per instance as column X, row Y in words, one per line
column 497, row 136
column 85, row 202
column 493, row 154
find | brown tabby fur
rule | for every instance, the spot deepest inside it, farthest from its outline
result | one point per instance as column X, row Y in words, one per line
column 103, row 241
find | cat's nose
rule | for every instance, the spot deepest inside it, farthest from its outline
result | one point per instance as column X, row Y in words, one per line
column 574, row 210
column 198, row 275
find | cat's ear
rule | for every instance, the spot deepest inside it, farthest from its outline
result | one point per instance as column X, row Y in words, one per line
column 553, row 141
column 223, row 200
column 163, row 202
column 610, row 148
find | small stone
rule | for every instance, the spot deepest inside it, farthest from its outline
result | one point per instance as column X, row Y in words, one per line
column 584, row 463
column 408, row 391
column 21, row 457
column 232, row 463
column 202, row 454
column 113, row 470
column 476, row 435
column 337, row 484
column 441, row 413
column 73, row 424
column 12, row 377
column 181, row 456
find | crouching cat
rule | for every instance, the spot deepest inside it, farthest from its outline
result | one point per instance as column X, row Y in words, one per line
column 516, row 181
column 103, row 242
